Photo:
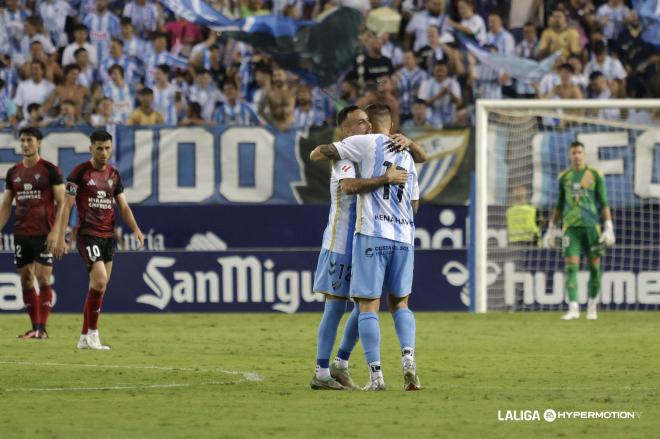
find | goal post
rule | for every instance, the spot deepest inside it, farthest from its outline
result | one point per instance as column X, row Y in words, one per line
column 523, row 143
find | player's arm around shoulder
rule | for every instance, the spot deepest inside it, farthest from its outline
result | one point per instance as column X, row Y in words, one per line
column 127, row 215
column 393, row 175
column 324, row 152
column 400, row 142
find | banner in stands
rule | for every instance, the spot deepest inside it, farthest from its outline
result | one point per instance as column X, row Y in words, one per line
column 281, row 281
column 239, row 165
column 628, row 159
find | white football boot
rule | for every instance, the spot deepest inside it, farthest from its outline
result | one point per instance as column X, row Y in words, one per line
column 573, row 312
column 592, row 309
column 94, row 342
column 82, row 342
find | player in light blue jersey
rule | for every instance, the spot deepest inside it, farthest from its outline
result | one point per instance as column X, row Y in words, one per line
column 383, row 244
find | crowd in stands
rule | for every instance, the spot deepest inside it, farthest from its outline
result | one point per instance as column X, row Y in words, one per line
column 105, row 62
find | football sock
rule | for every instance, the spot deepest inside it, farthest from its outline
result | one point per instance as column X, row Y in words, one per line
column 594, row 281
column 85, row 326
column 94, row 301
column 404, row 323
column 332, row 313
column 349, row 339
column 45, row 304
column 370, row 336
column 31, row 302
column 571, row 281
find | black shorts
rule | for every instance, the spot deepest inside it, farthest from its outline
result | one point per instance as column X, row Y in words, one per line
column 29, row 249
column 95, row 249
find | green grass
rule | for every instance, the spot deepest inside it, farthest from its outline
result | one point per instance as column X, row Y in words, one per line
column 470, row 365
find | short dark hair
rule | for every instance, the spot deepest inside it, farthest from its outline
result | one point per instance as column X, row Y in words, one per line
column 567, row 66
column 146, row 91
column 79, row 51
column 419, row 101
column 116, row 67
column 576, row 144
column 378, row 110
column 118, row 41
column 31, row 132
column 164, row 68
column 595, row 75
column 69, row 67
column 126, row 21
column 80, row 27
column 100, row 136
column 344, row 112
column 36, row 61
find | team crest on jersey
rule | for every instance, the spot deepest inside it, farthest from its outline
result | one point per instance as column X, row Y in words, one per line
column 37, row 177
column 446, row 150
column 110, row 182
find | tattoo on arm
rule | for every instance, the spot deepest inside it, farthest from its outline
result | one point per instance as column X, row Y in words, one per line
column 330, row 151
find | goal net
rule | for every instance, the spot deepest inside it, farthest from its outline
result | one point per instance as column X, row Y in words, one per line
column 522, row 146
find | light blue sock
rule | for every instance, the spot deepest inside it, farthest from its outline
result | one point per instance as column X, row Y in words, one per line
column 351, row 334
column 370, row 335
column 404, row 322
column 332, row 313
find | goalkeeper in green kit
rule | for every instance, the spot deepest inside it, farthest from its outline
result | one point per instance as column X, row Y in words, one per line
column 581, row 204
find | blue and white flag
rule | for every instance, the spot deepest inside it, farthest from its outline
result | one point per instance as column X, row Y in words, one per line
column 318, row 51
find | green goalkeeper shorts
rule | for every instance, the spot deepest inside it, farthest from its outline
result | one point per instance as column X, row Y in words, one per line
column 578, row 240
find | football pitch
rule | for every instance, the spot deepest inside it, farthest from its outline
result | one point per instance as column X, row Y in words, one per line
column 247, row 376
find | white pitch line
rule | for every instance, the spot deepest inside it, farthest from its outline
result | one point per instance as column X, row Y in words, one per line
column 246, row 376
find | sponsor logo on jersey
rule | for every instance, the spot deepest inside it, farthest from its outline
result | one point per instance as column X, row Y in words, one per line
column 27, row 187
column 17, row 180
column 91, row 182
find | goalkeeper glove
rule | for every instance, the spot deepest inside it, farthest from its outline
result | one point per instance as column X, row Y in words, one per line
column 551, row 235
column 607, row 237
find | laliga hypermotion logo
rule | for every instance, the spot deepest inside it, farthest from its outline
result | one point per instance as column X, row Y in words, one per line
column 458, row 275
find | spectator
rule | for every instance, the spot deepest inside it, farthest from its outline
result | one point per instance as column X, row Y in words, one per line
column 34, row 90
column 33, row 117
column 498, row 36
column 96, row 95
column 348, row 91
column 54, row 14
column 600, row 89
column 9, row 75
column 14, row 17
column 69, row 90
column 120, row 93
column 305, row 115
column 80, row 35
column 234, row 111
column 408, row 80
column 421, row 116
column 144, row 15
column 566, row 89
column 432, row 52
column 579, row 78
column 277, row 107
column 604, row 63
column 263, row 77
column 383, row 94
column 7, row 108
column 159, row 55
column 612, row 16
column 88, row 74
column 486, row 82
column 442, row 94
column 183, row 35
column 33, row 31
column 323, row 105
column 103, row 115
column 166, row 96
column 102, row 25
column 471, row 23
column 559, row 37
column 213, row 63
column 527, row 48
column 194, row 116
column 391, row 50
column 205, row 93
column 67, row 117
column 145, row 113
column 117, row 57
column 53, row 70
column 133, row 46
column 371, row 64
column 417, row 27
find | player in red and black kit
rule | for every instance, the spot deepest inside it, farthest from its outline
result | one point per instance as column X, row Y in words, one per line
column 37, row 187
column 95, row 187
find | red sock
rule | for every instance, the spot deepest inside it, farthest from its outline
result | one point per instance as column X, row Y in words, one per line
column 94, row 301
column 31, row 302
column 45, row 303
column 85, row 327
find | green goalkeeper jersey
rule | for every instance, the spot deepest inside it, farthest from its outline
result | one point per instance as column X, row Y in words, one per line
column 582, row 195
